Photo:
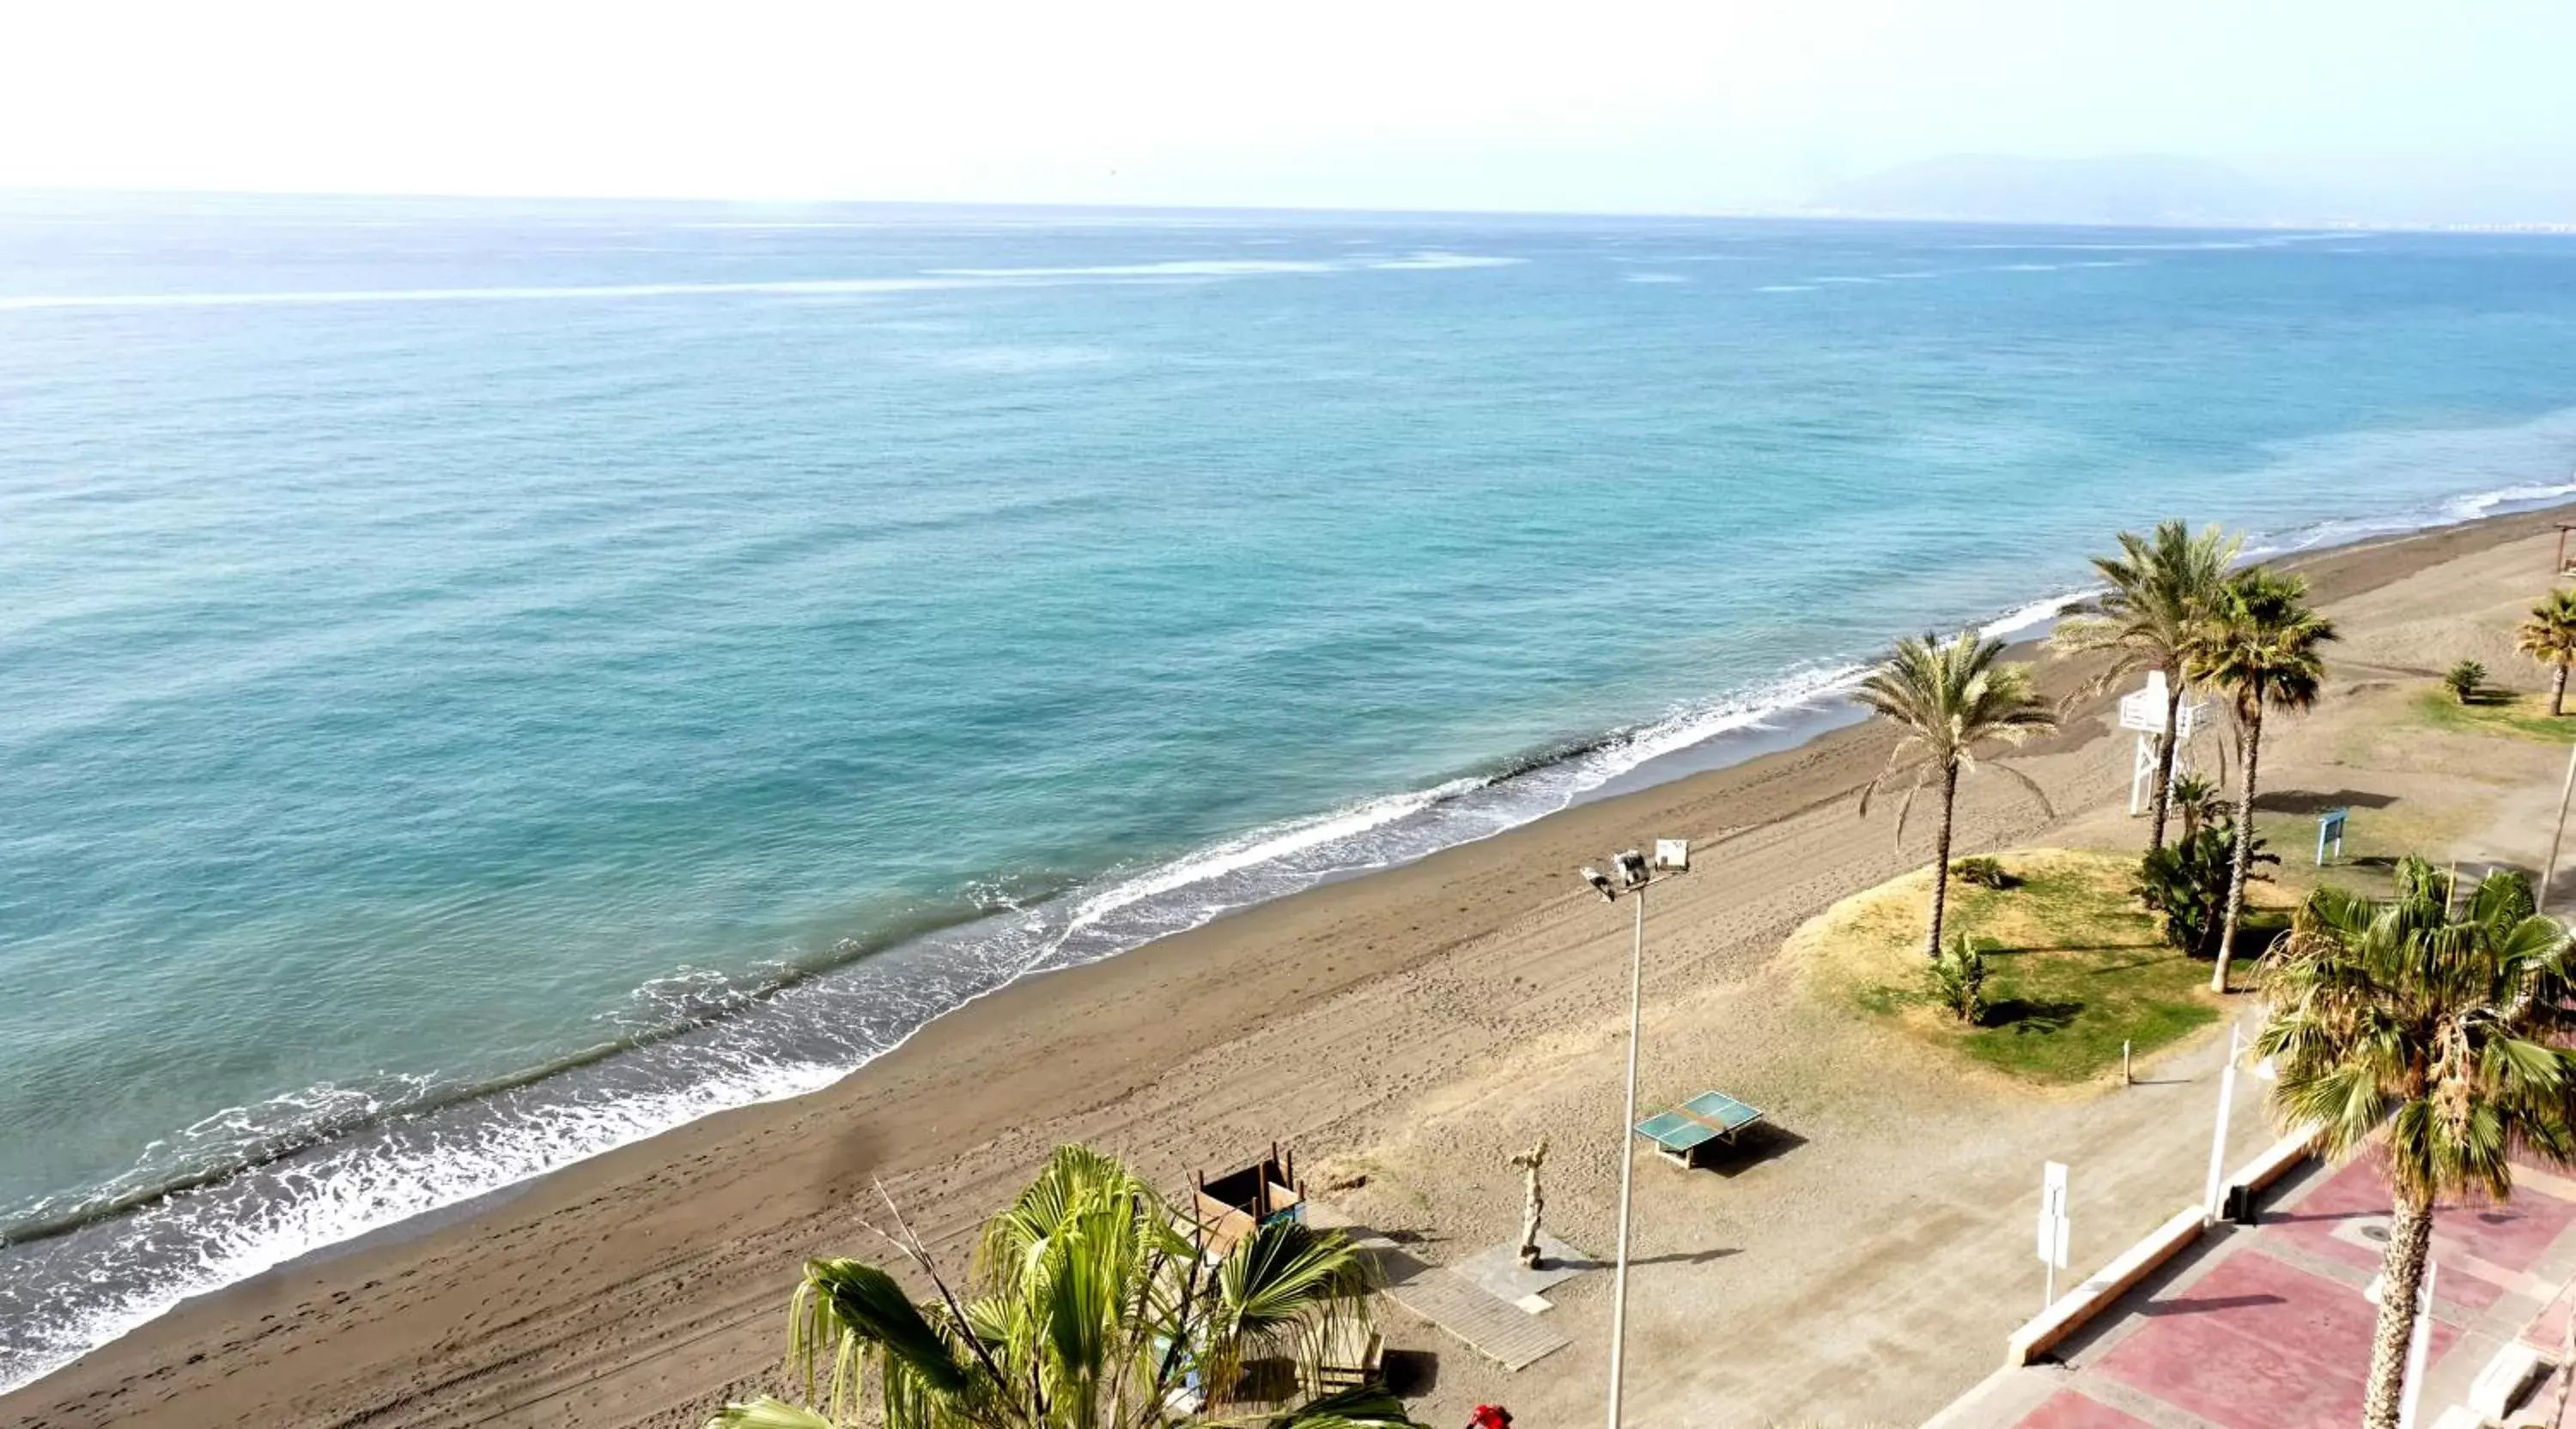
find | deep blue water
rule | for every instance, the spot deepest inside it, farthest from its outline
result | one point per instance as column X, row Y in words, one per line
column 444, row 641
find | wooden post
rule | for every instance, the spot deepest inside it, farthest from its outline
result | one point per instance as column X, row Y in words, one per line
column 2125, row 1079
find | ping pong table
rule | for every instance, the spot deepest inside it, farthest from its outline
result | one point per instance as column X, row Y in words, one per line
column 1710, row 1116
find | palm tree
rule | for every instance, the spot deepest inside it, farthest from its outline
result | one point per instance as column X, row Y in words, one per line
column 2161, row 589
column 2392, row 1023
column 2258, row 644
column 1089, row 1311
column 2196, row 802
column 1949, row 697
column 2549, row 637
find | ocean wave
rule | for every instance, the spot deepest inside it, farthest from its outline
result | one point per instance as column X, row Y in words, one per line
column 29, row 302
column 1652, row 278
column 931, row 280
column 1432, row 260
column 1786, row 288
column 1176, row 268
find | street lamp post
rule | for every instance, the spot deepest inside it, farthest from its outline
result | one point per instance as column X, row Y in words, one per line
column 1630, row 876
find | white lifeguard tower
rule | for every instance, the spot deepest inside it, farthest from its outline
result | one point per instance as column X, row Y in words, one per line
column 2144, row 712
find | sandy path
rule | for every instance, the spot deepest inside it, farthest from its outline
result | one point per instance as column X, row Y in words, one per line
column 1413, row 1027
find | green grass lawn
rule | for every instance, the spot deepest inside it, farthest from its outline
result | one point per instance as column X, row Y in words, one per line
column 2497, row 712
column 2074, row 967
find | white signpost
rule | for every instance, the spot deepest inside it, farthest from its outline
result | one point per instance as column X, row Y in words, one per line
column 2212, row 1206
column 2053, row 1224
column 2418, row 1339
column 2144, row 712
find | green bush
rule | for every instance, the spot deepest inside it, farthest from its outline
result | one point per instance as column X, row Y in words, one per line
column 2464, row 680
column 2186, row 881
column 1982, row 871
column 1958, row 979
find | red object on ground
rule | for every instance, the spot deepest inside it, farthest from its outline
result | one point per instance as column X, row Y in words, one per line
column 1491, row 1416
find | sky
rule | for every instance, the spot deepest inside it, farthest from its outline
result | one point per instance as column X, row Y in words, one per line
column 1703, row 106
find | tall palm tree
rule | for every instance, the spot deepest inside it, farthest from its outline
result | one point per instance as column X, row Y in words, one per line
column 1089, row 1310
column 2549, row 637
column 2442, row 1038
column 1949, row 697
column 2259, row 645
column 2161, row 588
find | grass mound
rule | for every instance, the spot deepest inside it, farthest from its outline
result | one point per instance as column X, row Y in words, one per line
column 2073, row 966
column 2496, row 712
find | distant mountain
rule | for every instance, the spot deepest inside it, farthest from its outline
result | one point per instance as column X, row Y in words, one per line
column 2136, row 189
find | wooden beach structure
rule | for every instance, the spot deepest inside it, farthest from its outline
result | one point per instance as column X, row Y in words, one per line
column 1229, row 1207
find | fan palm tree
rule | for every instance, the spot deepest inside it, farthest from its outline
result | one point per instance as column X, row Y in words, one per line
column 2549, row 637
column 2161, row 588
column 1948, row 697
column 2441, row 1041
column 1089, row 1310
column 2259, row 645
column 2197, row 802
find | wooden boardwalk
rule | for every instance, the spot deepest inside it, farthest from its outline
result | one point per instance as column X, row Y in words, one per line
column 1497, row 1329
column 1491, row 1326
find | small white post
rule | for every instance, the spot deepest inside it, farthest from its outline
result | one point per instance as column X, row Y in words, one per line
column 2212, row 1204
column 2054, row 1225
column 2126, row 1079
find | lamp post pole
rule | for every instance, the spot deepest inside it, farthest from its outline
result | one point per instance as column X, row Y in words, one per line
column 1631, row 877
column 1627, row 1159
column 2549, row 874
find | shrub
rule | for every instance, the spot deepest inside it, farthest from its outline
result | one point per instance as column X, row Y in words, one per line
column 1982, row 871
column 2197, row 802
column 2186, row 881
column 1959, row 980
column 2464, row 680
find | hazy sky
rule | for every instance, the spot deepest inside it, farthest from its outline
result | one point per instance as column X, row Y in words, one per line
column 1710, row 104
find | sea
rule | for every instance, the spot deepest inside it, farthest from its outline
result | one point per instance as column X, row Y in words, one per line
column 484, row 683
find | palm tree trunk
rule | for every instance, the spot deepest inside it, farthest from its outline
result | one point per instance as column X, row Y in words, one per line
column 1941, row 863
column 2165, row 764
column 2410, row 1243
column 2242, row 857
column 2558, row 692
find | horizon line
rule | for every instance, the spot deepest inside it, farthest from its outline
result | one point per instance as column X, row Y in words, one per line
column 1824, row 215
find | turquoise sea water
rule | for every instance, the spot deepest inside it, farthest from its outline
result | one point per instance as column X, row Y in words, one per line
column 480, row 684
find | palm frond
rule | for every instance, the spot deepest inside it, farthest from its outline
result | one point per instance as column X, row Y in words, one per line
column 767, row 1413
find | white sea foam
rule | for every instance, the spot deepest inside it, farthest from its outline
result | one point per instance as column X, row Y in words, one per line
column 338, row 1198
column 1175, row 268
column 1786, row 288
column 2470, row 508
column 1436, row 260
column 1846, row 279
column 25, row 302
column 1652, row 278
column 2023, row 619
column 932, row 280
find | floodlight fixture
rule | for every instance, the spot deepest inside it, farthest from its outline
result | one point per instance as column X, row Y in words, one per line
column 1600, row 884
column 1632, row 869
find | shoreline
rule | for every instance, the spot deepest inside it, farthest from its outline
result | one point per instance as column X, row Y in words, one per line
column 1000, row 1020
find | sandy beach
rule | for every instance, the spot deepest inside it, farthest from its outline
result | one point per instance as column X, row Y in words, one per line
column 1405, row 1033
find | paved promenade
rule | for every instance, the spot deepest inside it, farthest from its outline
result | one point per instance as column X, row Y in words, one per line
column 2269, row 1326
